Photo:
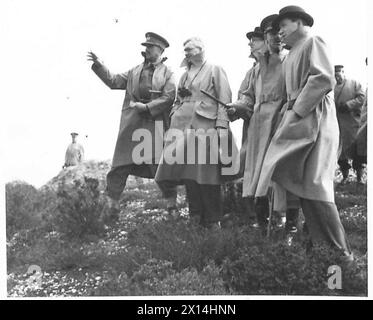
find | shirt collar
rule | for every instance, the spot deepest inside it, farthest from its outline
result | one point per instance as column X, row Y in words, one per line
column 148, row 64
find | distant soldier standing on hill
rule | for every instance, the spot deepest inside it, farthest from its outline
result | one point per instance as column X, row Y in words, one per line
column 150, row 92
column 349, row 98
column 74, row 153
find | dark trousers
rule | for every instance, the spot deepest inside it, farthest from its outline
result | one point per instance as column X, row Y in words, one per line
column 324, row 224
column 357, row 164
column 205, row 201
column 262, row 211
column 117, row 177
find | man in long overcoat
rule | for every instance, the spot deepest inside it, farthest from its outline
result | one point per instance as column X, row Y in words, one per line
column 265, row 98
column 191, row 156
column 150, row 92
column 256, row 44
column 349, row 98
column 302, row 155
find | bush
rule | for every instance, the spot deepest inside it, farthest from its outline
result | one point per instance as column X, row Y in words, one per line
column 188, row 245
column 46, row 204
column 20, row 207
column 81, row 211
column 277, row 269
column 157, row 277
column 191, row 282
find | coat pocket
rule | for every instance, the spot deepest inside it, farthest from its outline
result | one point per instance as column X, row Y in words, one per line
column 207, row 110
column 294, row 128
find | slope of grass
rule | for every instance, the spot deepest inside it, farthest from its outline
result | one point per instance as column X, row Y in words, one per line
column 146, row 252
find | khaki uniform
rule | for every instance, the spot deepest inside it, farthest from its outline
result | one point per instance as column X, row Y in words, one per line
column 351, row 93
column 74, row 154
column 137, row 82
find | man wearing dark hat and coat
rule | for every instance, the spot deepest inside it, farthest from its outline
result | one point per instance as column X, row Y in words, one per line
column 265, row 98
column 74, row 153
column 150, row 92
column 256, row 44
column 349, row 98
column 302, row 155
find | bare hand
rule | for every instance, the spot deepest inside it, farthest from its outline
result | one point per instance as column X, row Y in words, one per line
column 92, row 57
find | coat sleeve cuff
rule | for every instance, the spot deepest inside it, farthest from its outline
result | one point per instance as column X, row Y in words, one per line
column 300, row 112
column 222, row 123
column 96, row 65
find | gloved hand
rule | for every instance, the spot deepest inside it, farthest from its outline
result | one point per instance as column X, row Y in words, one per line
column 343, row 108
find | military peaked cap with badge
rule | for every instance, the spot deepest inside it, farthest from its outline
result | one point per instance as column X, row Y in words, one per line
column 338, row 67
column 153, row 39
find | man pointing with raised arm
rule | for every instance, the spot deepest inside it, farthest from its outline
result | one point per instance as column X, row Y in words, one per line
column 150, row 92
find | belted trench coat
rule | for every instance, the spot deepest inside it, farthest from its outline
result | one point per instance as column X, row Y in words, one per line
column 302, row 155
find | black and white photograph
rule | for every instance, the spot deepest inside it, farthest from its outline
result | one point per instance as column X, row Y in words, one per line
column 191, row 149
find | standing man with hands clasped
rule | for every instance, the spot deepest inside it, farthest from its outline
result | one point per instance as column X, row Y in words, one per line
column 150, row 92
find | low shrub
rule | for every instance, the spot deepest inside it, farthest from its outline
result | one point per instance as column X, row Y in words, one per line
column 20, row 207
column 157, row 277
column 188, row 245
column 81, row 210
column 277, row 269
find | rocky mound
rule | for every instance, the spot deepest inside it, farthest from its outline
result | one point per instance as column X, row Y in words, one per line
column 87, row 169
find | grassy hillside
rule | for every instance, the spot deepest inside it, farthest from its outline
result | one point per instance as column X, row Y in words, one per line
column 82, row 251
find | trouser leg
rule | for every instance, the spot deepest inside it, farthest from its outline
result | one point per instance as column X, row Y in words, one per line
column 195, row 203
column 324, row 224
column 262, row 211
column 357, row 165
column 212, row 201
column 292, row 212
column 249, row 203
column 344, row 166
column 116, row 181
column 169, row 192
column 292, row 216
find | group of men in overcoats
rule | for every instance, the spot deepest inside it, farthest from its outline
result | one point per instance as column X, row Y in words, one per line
column 290, row 133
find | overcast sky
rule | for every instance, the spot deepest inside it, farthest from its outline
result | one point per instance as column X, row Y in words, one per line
column 49, row 90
